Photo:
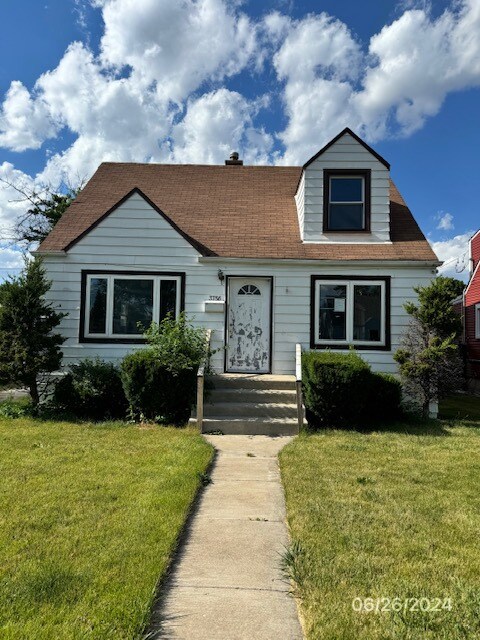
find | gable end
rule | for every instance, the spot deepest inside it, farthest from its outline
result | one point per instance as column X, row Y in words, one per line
column 204, row 251
column 357, row 138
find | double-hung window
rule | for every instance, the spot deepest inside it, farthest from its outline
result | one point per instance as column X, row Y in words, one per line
column 346, row 200
column 120, row 306
column 350, row 312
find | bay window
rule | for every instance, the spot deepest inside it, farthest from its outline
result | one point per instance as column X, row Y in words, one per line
column 350, row 311
column 118, row 306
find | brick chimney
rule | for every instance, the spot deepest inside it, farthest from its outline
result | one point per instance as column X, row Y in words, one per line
column 234, row 159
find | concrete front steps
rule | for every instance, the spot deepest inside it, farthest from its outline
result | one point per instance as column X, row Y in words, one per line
column 244, row 404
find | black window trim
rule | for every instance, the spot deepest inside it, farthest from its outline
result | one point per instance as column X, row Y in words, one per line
column 112, row 272
column 345, row 346
column 366, row 174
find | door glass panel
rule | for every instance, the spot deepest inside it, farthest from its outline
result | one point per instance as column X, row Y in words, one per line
column 367, row 314
column 249, row 290
column 332, row 312
column 132, row 304
column 168, row 298
column 97, row 319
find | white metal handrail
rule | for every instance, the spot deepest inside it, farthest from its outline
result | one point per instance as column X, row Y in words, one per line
column 298, row 384
column 201, row 381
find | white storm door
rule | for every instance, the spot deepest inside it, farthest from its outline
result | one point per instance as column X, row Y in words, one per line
column 248, row 325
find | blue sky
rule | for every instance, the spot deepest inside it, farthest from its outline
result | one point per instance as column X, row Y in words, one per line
column 181, row 81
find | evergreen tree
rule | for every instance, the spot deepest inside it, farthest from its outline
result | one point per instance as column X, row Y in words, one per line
column 28, row 348
column 434, row 309
column 429, row 360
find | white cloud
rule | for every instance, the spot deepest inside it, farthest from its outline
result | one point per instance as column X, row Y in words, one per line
column 25, row 122
column 318, row 60
column 176, row 44
column 122, row 105
column 390, row 90
column 12, row 202
column 216, row 124
column 417, row 61
column 454, row 253
column 159, row 88
column 445, row 222
column 11, row 260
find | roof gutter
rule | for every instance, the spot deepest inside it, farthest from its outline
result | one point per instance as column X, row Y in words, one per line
column 319, row 262
column 46, row 252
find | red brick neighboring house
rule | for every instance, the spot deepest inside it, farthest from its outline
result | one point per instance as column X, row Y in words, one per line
column 469, row 306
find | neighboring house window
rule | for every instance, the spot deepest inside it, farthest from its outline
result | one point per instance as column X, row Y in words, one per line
column 119, row 306
column 350, row 311
column 477, row 321
column 346, row 200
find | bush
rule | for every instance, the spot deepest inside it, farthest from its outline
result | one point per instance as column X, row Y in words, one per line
column 16, row 408
column 177, row 344
column 156, row 392
column 340, row 390
column 92, row 389
column 385, row 397
column 160, row 380
column 334, row 388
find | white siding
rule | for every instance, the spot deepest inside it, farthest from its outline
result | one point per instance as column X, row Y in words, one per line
column 136, row 237
column 346, row 153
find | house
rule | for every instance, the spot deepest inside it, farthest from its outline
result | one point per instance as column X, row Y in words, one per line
column 468, row 306
column 323, row 255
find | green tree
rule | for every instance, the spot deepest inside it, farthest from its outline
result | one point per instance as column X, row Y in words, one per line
column 434, row 310
column 430, row 366
column 28, row 348
column 44, row 208
column 44, row 212
column 429, row 360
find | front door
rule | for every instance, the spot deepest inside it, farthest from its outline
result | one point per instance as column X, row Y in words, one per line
column 248, row 325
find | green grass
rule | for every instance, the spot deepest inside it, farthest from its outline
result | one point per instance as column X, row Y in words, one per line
column 385, row 514
column 461, row 407
column 89, row 516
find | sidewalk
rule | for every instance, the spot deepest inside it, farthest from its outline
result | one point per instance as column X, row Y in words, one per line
column 227, row 583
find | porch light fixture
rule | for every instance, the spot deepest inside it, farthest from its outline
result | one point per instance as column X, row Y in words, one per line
column 220, row 275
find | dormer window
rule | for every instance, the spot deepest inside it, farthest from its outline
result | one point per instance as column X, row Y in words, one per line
column 346, row 200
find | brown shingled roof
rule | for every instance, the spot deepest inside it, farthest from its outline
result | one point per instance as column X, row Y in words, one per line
column 228, row 211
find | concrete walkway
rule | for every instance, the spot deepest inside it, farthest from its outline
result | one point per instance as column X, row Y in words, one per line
column 227, row 583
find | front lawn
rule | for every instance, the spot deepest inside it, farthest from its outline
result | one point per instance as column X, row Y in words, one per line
column 463, row 407
column 393, row 514
column 89, row 516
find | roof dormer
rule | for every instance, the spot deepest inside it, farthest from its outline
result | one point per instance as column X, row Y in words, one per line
column 343, row 195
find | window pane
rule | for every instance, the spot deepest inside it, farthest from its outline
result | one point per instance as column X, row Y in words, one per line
column 168, row 298
column 97, row 319
column 346, row 189
column 132, row 303
column 367, row 314
column 346, row 216
column 332, row 311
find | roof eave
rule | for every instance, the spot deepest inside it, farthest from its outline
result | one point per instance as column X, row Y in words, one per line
column 329, row 262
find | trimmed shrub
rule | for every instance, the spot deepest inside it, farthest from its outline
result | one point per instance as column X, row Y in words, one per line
column 92, row 389
column 335, row 388
column 154, row 391
column 385, row 397
column 340, row 390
